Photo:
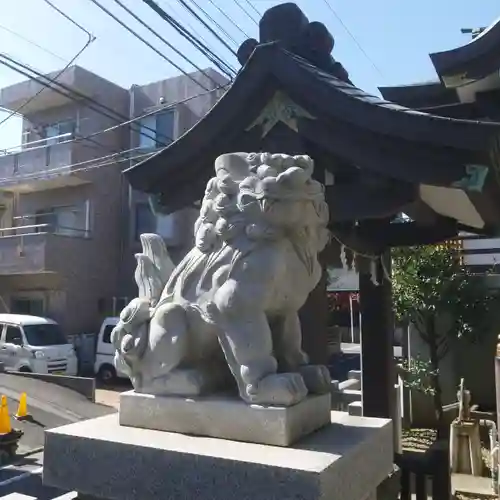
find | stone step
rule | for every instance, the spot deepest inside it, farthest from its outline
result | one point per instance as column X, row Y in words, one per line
column 472, row 485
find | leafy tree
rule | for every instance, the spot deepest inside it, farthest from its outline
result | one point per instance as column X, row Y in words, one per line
column 431, row 282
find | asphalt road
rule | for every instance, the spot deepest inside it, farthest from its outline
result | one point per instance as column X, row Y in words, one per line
column 23, row 481
column 49, row 405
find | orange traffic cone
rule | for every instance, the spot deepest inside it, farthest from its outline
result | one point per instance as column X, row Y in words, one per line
column 5, row 426
column 22, row 410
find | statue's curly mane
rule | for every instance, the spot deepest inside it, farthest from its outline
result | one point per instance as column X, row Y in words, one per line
column 263, row 196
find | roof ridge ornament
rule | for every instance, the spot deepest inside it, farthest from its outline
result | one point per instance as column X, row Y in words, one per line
column 289, row 26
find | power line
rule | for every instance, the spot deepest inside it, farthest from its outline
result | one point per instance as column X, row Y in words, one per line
column 143, row 40
column 193, row 30
column 348, row 31
column 70, row 92
column 91, row 38
column 220, row 63
column 160, row 109
column 228, row 18
column 109, row 129
column 31, row 42
column 253, row 7
column 207, row 26
column 108, row 162
column 69, row 18
column 58, row 75
column 177, row 51
column 246, row 12
column 217, row 25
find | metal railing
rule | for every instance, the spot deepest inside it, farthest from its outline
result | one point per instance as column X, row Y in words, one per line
column 37, row 144
column 33, row 229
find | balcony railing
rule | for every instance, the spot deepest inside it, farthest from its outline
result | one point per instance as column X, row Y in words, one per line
column 40, row 162
column 40, row 248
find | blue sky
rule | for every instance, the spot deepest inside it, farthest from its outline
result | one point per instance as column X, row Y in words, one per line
column 398, row 35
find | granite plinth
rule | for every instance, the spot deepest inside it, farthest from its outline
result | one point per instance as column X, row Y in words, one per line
column 346, row 460
column 226, row 417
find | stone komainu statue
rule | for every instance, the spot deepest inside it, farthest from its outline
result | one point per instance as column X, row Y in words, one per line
column 229, row 311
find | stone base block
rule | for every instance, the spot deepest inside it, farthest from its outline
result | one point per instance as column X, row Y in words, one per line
column 346, row 460
column 226, row 417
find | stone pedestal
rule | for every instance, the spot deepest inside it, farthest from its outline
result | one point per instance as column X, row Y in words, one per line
column 226, row 417
column 345, row 460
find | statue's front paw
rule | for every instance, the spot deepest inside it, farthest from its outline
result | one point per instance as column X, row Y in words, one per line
column 135, row 313
column 281, row 389
column 317, row 378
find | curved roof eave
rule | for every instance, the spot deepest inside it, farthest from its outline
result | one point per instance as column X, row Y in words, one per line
column 420, row 95
column 344, row 102
column 473, row 61
column 205, row 132
column 319, row 93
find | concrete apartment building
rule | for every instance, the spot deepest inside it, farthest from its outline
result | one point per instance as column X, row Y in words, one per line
column 69, row 223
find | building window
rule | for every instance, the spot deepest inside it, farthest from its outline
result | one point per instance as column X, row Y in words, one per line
column 166, row 226
column 59, row 132
column 25, row 305
column 71, row 220
column 157, row 130
column 144, row 220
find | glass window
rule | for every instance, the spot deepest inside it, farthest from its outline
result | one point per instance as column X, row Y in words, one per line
column 66, row 128
column 157, row 130
column 165, row 123
column 34, row 307
column 44, row 334
column 106, row 336
column 165, row 225
column 54, row 131
column 144, row 220
column 13, row 335
column 69, row 221
column 51, row 133
column 147, row 137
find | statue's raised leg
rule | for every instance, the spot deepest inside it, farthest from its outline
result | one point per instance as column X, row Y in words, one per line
column 288, row 346
column 248, row 347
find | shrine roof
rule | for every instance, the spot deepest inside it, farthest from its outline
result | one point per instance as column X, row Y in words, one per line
column 420, row 95
column 471, row 62
column 323, row 96
column 404, row 155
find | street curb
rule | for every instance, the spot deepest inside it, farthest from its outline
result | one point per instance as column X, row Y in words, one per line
column 28, row 453
column 21, row 456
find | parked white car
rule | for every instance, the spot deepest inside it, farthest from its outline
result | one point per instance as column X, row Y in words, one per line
column 105, row 353
column 34, row 344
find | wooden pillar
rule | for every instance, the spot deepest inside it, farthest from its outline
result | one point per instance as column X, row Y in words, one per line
column 314, row 323
column 377, row 334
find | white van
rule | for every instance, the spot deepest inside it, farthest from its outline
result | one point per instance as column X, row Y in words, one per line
column 105, row 353
column 33, row 344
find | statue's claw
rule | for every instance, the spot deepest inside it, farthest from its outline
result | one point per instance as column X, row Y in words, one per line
column 317, row 378
column 281, row 389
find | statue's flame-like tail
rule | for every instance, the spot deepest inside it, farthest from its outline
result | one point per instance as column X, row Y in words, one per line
column 154, row 267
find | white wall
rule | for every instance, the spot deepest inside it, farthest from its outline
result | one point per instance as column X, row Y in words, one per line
column 482, row 259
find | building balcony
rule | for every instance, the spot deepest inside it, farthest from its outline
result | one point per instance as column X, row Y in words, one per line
column 39, row 249
column 40, row 167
